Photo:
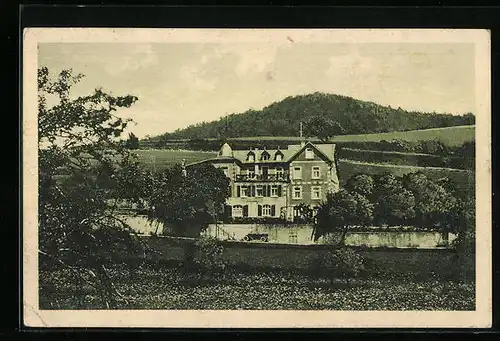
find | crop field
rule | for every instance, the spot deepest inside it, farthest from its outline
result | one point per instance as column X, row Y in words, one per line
column 450, row 136
column 167, row 288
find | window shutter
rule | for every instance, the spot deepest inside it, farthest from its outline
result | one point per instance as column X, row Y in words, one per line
column 229, row 210
column 238, row 192
column 253, row 191
column 279, row 190
column 259, row 211
column 268, row 187
column 245, row 211
column 273, row 210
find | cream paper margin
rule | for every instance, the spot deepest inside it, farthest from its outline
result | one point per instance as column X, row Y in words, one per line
column 480, row 318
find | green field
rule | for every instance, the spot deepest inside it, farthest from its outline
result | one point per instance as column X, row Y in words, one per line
column 162, row 158
column 450, row 136
column 348, row 168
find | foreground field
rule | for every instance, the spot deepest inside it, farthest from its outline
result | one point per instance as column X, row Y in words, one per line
column 165, row 288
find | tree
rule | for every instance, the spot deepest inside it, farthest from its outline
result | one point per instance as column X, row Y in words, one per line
column 306, row 213
column 132, row 142
column 433, row 204
column 339, row 212
column 186, row 204
column 322, row 128
column 83, row 171
column 394, row 204
column 362, row 184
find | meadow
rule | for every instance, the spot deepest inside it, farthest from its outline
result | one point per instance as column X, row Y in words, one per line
column 167, row 288
column 347, row 168
column 164, row 158
column 450, row 136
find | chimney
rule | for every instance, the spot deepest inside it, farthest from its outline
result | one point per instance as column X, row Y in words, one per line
column 302, row 142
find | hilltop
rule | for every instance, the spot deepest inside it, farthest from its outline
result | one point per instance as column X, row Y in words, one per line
column 355, row 116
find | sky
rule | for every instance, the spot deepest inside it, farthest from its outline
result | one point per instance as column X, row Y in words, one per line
column 179, row 84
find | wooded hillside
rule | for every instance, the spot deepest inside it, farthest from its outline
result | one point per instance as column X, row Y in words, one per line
column 355, row 116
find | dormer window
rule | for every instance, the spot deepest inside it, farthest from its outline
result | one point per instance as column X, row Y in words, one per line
column 264, row 156
column 251, row 156
column 278, row 156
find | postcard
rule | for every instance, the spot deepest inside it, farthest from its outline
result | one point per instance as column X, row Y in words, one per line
column 256, row 178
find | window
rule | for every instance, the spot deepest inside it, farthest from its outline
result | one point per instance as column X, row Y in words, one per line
column 274, row 190
column 225, row 170
column 279, row 157
column 264, row 156
column 280, row 173
column 316, row 192
column 297, row 172
column 237, row 211
column 297, row 192
column 251, row 157
column 309, row 153
column 266, row 210
column 251, row 173
column 244, row 191
column 316, row 173
column 259, row 191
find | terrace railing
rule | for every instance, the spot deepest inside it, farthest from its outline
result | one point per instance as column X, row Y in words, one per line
column 262, row 177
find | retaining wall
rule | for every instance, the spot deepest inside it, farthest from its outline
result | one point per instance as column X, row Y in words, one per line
column 288, row 256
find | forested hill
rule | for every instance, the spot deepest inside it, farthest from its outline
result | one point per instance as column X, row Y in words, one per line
column 355, row 116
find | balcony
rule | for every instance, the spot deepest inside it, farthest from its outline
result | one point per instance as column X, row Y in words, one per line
column 262, row 177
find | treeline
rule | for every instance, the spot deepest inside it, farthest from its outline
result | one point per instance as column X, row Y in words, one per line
column 389, row 200
column 435, row 147
column 355, row 116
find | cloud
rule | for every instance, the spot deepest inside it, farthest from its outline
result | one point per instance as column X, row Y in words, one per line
column 193, row 76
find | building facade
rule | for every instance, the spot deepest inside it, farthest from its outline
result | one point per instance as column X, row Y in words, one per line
column 272, row 183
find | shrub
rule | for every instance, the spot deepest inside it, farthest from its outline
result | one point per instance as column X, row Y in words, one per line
column 343, row 263
column 210, row 256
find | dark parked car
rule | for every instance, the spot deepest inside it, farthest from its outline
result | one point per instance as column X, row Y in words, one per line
column 263, row 237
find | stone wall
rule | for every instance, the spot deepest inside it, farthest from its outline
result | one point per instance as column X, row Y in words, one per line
column 282, row 256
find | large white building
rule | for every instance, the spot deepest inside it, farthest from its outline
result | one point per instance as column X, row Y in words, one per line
column 272, row 182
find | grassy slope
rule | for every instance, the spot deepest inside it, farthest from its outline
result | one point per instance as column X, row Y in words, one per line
column 161, row 158
column 348, row 168
column 451, row 136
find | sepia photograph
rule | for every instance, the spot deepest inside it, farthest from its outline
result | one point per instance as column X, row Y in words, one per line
column 256, row 178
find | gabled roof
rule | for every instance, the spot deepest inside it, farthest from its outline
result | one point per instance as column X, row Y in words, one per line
column 327, row 151
column 242, row 154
